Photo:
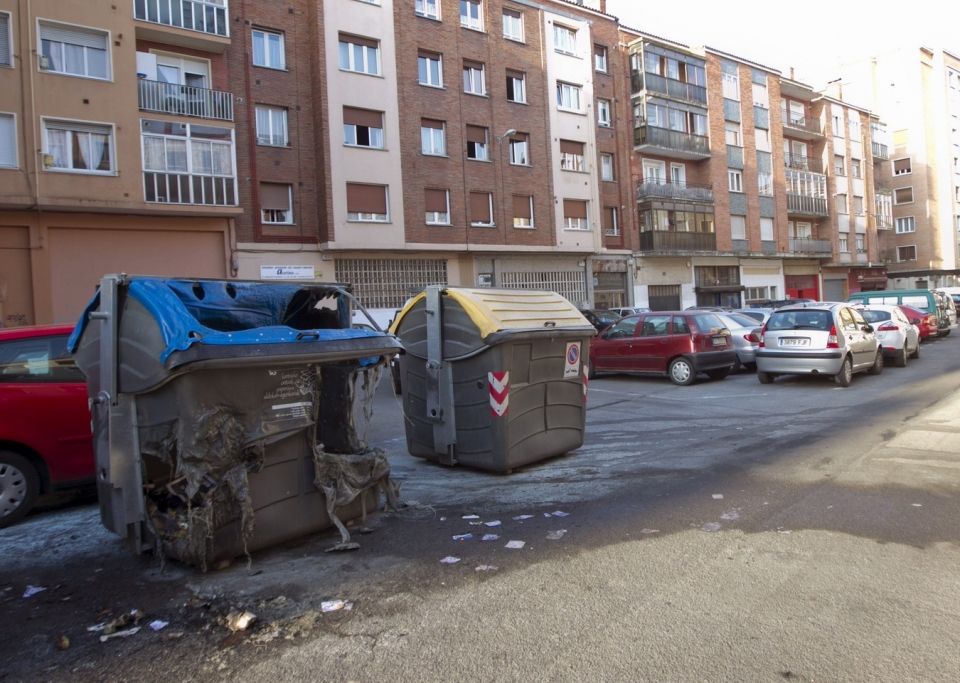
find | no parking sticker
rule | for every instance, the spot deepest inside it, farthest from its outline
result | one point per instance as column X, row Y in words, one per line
column 571, row 367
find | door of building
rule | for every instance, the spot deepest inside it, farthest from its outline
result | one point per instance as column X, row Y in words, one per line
column 802, row 287
column 664, row 297
column 610, row 290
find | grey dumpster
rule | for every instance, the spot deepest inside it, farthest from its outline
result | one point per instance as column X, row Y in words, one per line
column 224, row 412
column 492, row 378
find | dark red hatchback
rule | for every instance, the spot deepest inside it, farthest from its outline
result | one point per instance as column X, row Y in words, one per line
column 45, row 438
column 679, row 344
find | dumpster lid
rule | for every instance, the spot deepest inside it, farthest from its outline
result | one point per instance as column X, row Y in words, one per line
column 509, row 310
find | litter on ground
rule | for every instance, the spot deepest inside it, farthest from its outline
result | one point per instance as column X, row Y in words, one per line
column 450, row 560
column 119, row 634
column 494, row 523
column 486, row 568
column 515, row 545
column 649, row 531
column 521, row 517
column 489, row 537
column 462, row 537
column 718, row 496
column 237, row 621
column 33, row 590
column 558, row 513
column 732, row 514
column 158, row 625
column 556, row 535
column 711, row 526
column 336, row 605
column 471, row 517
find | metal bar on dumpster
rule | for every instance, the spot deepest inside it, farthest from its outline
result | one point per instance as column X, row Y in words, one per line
column 439, row 376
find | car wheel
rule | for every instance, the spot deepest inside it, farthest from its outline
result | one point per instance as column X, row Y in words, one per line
column 916, row 351
column 877, row 366
column 735, row 368
column 722, row 372
column 19, row 487
column 765, row 377
column 591, row 373
column 945, row 333
column 901, row 360
column 681, row 372
column 843, row 377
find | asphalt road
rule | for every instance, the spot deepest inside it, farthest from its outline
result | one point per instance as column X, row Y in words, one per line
column 728, row 531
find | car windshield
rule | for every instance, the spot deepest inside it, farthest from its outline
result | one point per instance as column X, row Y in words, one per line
column 799, row 320
column 707, row 322
column 875, row 316
column 742, row 320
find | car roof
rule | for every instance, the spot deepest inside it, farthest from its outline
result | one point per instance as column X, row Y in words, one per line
column 8, row 333
column 813, row 306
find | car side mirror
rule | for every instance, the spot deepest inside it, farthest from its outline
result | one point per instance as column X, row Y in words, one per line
column 867, row 327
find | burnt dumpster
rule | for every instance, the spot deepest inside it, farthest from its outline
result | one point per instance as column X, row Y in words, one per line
column 228, row 415
column 492, row 378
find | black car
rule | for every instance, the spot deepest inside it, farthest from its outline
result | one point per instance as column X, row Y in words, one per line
column 600, row 318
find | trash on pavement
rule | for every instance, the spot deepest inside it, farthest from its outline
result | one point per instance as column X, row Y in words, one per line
column 33, row 590
column 918, row 505
column 718, row 496
column 476, row 523
column 486, row 568
column 119, row 634
column 239, row 621
column 489, row 537
column 556, row 535
column 515, row 545
column 132, row 617
column 63, row 643
column 450, row 560
column 711, row 526
column 158, row 625
column 732, row 514
column 522, row 517
column 496, row 523
column 558, row 513
column 471, row 517
column 463, row 537
column 336, row 605
column 649, row 531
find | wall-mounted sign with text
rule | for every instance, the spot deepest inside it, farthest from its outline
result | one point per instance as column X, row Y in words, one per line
column 287, row 273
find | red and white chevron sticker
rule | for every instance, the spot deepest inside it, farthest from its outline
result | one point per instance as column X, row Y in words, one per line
column 499, row 392
column 584, row 387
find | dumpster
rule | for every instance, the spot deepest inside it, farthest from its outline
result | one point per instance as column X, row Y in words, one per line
column 228, row 415
column 492, row 378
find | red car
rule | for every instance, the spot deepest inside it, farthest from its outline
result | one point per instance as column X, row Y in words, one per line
column 679, row 344
column 927, row 322
column 45, row 438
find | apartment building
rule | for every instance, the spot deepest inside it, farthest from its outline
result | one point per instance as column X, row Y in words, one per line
column 117, row 148
column 918, row 91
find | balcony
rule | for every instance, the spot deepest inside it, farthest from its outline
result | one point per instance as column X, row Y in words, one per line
column 804, row 205
column 805, row 245
column 185, row 188
column 659, row 189
column 670, row 143
column 198, row 24
column 879, row 151
column 803, row 127
column 680, row 242
column 184, row 100
column 668, row 87
column 802, row 163
column 884, row 222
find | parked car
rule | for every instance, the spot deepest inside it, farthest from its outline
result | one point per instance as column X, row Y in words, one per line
column 921, row 299
column 629, row 310
column 745, row 334
column 926, row 322
column 44, row 418
column 679, row 344
column 600, row 318
column 899, row 338
column 818, row 339
column 760, row 314
column 780, row 303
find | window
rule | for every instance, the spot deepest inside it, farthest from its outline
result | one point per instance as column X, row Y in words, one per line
column 731, row 87
column 673, row 69
column 606, row 167
column 854, row 125
column 6, row 40
column 522, row 211
column 477, row 143
column 272, row 126
column 732, row 132
column 520, row 150
column 837, row 125
column 37, row 360
column 564, row 40
column 858, row 205
column 74, row 51
column 481, row 209
column 428, row 64
column 842, row 204
column 860, row 244
column 651, row 63
column 761, row 98
column 734, row 180
column 361, row 55
column 512, row 25
column 800, row 230
column 839, row 166
column 516, row 86
column 760, row 294
column 8, row 141
column 903, row 195
column 471, row 14
column 611, row 226
column 766, row 229
column 78, row 147
column 738, row 227
column 905, row 225
column 571, row 156
column 268, row 49
column 677, row 120
column 575, row 215
column 363, row 128
column 603, row 113
column 276, row 206
column 600, row 58
column 568, row 96
column 366, row 203
column 902, row 166
column 432, row 137
column 765, row 183
column 656, row 115
column 762, row 140
column 437, row 205
column 188, row 163
column 473, row 80
column 844, row 240
column 907, row 253
column 855, row 168
column 428, row 8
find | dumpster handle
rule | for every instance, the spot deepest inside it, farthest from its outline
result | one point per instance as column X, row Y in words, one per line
column 310, row 333
column 550, row 323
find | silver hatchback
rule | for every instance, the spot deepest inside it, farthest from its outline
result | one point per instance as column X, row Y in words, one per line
column 818, row 339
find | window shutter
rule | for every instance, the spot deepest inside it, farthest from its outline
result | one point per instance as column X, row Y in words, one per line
column 431, row 123
column 476, row 134
column 74, row 35
column 366, row 198
column 436, row 200
column 275, row 196
column 480, row 207
column 362, row 117
column 570, row 147
column 5, row 47
column 357, row 40
column 521, row 206
column 574, row 208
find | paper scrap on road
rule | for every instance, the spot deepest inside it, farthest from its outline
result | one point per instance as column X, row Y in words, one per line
column 120, row 634
column 521, row 517
column 918, row 505
column 463, row 537
column 450, row 560
column 718, row 496
column 556, row 535
column 732, row 514
column 471, row 517
column 336, row 605
column 443, row 519
column 476, row 523
column 649, row 531
column 515, row 545
column 158, row 625
column 486, row 568
column 96, row 627
column 33, row 590
column 494, row 523
column 711, row 526
column 489, row 537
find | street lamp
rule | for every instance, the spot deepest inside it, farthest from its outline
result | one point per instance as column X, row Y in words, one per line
column 511, row 131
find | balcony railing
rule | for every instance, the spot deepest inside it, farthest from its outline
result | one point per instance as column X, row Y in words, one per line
column 884, row 222
column 660, row 240
column 809, row 206
column 678, row 90
column 804, row 123
column 184, row 188
column 185, row 100
column 206, row 16
column 672, row 139
column 879, row 150
column 803, row 163
column 660, row 189
column 805, row 245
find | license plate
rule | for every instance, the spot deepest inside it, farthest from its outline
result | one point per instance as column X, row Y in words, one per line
column 794, row 342
column 719, row 341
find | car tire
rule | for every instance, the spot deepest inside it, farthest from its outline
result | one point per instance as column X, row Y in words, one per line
column 19, row 487
column 916, row 352
column 735, row 368
column 877, row 366
column 721, row 373
column 901, row 359
column 765, row 377
column 843, row 377
column 945, row 333
column 591, row 373
column 681, row 372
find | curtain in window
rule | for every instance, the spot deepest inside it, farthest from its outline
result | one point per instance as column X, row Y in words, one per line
column 73, row 59
column 263, row 124
column 153, row 155
column 57, row 141
column 221, row 159
column 176, row 155
column 92, row 147
column 201, row 157
column 52, row 51
column 259, row 53
column 276, row 59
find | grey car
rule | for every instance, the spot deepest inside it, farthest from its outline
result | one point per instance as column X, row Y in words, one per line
column 818, row 339
column 745, row 334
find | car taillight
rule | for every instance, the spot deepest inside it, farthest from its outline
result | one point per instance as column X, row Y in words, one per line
column 751, row 337
column 888, row 327
column 832, row 342
column 762, row 332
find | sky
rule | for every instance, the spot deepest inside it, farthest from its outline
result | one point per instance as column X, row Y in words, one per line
column 812, row 36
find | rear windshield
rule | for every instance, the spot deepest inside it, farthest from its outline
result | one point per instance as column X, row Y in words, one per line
column 607, row 316
column 875, row 316
column 707, row 322
column 799, row 320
